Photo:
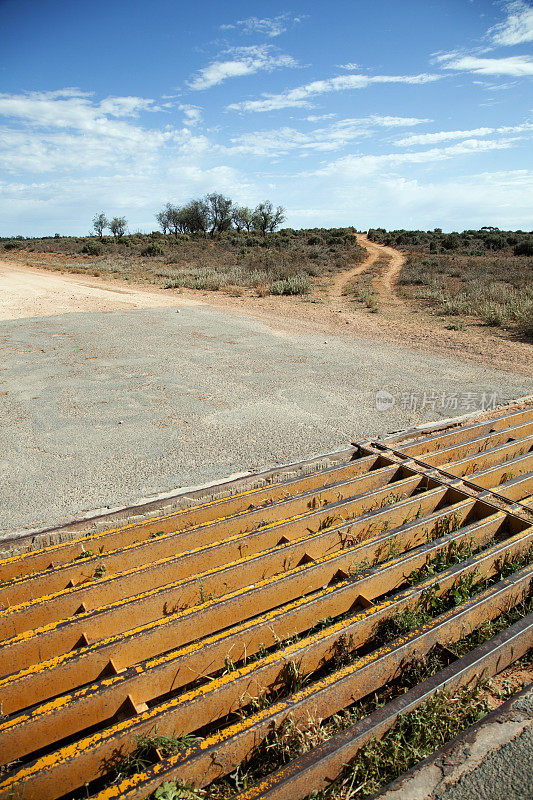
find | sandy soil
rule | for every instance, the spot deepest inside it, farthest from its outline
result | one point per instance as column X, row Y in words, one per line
column 513, row 679
column 384, row 283
column 27, row 291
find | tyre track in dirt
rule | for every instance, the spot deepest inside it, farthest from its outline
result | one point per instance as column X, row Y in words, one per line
column 384, row 284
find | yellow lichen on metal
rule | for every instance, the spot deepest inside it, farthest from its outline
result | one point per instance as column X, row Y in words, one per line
column 202, row 609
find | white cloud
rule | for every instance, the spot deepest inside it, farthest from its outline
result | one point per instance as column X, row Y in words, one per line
column 192, row 114
column 395, row 122
column 301, row 95
column 70, row 108
column 66, row 130
column 443, row 136
column 496, row 87
column 282, row 140
column 518, row 66
column 318, row 117
column 268, row 26
column 133, row 150
column 500, row 198
column 351, row 167
column 69, row 155
column 517, row 28
column 126, row 106
column 245, row 61
column 350, row 66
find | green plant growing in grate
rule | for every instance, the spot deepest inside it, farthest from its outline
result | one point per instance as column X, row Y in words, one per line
column 84, row 554
column 148, row 751
column 358, row 568
column 330, row 520
column 100, row 571
column 453, row 554
column 414, row 736
column 171, row 790
column 445, row 526
column 204, row 596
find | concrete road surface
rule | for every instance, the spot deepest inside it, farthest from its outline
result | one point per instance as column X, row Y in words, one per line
column 105, row 407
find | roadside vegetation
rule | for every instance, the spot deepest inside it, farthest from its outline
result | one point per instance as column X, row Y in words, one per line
column 485, row 276
column 284, row 262
column 208, row 244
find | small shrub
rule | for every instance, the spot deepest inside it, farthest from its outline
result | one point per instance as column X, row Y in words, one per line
column 298, row 284
column 372, row 304
column 492, row 314
column 13, row 245
column 152, row 250
column 525, row 323
column 455, row 326
column 91, row 249
column 234, row 291
column 524, row 248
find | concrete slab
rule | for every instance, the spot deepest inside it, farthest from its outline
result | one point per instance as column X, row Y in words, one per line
column 102, row 408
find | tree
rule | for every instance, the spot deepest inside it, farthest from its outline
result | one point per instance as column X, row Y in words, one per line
column 176, row 216
column 266, row 219
column 195, row 217
column 242, row 217
column 163, row 220
column 219, row 210
column 170, row 219
column 118, row 226
column 100, row 223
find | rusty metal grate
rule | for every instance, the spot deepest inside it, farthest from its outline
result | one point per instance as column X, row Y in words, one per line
column 178, row 624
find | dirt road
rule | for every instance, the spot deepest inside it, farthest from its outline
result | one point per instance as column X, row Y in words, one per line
column 27, row 292
column 384, row 283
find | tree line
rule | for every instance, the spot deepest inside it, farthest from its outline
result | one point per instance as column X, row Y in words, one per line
column 215, row 213
column 208, row 216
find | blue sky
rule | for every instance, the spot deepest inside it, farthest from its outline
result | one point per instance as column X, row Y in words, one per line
column 412, row 115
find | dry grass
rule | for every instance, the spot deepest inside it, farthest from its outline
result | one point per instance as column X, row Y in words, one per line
column 285, row 262
column 361, row 288
column 496, row 290
column 474, row 276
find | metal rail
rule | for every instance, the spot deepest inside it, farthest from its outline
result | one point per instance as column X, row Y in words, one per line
column 319, row 767
column 221, row 752
column 235, row 581
column 27, row 731
column 40, row 681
